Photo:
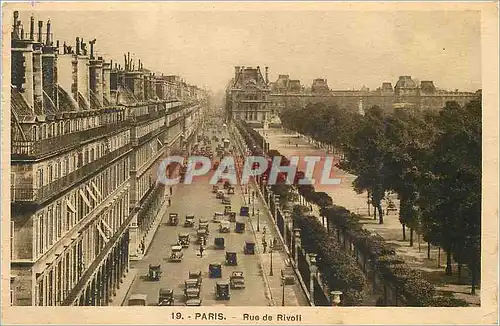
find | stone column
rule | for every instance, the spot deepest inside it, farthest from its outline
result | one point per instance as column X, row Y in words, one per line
column 313, row 270
column 134, row 237
column 335, row 298
column 297, row 245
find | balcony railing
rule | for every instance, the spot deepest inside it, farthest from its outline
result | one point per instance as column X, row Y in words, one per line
column 47, row 146
column 30, row 194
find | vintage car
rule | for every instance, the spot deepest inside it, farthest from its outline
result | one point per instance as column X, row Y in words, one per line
column 154, row 272
column 201, row 236
column 231, row 258
column 165, row 297
column 219, row 243
column 176, row 254
column 184, row 240
column 139, row 299
column 189, row 222
column 173, row 219
column 249, row 248
column 203, row 225
column 193, row 302
column 239, row 227
column 230, row 190
column 196, row 275
column 244, row 211
column 215, row 189
column 227, row 209
column 224, row 227
column 237, row 280
column 217, row 217
column 220, row 194
column 191, row 289
column 226, row 200
column 232, row 217
column 215, row 270
column 222, row 290
column 288, row 276
column 227, row 184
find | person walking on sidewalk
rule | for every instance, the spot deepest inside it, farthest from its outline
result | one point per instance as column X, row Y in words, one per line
column 264, row 244
column 169, row 202
column 170, row 190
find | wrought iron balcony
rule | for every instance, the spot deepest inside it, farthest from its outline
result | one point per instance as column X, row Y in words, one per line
column 47, row 146
column 30, row 194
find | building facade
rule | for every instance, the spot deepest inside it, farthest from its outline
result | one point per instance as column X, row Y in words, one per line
column 87, row 139
column 407, row 93
column 247, row 96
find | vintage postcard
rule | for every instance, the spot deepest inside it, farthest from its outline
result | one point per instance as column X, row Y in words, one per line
column 249, row 162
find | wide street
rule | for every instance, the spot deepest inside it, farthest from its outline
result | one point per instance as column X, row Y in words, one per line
column 196, row 198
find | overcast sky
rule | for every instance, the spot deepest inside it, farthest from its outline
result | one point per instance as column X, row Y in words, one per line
column 350, row 49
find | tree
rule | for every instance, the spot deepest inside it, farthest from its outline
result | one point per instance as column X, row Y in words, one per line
column 451, row 192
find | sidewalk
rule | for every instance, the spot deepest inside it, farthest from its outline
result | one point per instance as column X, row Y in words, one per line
column 125, row 285
column 262, row 219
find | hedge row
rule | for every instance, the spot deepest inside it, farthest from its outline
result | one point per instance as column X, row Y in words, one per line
column 339, row 270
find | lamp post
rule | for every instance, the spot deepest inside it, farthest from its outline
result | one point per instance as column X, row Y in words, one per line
column 258, row 220
column 253, row 203
column 283, row 285
column 271, row 253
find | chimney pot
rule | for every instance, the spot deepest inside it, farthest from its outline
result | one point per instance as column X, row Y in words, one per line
column 32, row 28
column 77, row 46
column 48, row 41
column 40, row 26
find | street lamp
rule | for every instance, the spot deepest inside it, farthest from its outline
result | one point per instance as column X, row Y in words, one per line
column 271, row 253
column 253, row 203
column 283, row 285
column 258, row 220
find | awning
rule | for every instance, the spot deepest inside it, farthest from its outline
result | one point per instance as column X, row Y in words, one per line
column 85, row 199
column 70, row 206
column 102, row 234
column 96, row 189
column 91, row 193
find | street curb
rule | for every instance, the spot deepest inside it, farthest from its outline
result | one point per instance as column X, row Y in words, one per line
column 264, row 271
column 295, row 269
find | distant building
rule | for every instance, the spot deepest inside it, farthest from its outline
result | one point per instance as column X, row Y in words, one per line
column 407, row 93
column 247, row 96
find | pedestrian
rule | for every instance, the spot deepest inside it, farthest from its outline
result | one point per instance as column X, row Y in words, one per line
column 170, row 190
column 264, row 231
column 142, row 246
column 169, row 202
column 264, row 244
column 201, row 250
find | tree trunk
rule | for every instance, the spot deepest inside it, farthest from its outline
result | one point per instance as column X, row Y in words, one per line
column 459, row 273
column 368, row 202
column 439, row 257
column 374, row 212
column 404, row 232
column 473, row 280
column 411, row 237
column 448, row 270
column 380, row 214
column 428, row 250
column 418, row 237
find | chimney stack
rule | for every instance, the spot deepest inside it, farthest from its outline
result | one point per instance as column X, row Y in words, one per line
column 57, row 46
column 48, row 40
column 139, row 64
column 77, row 46
column 40, row 27
column 267, row 75
column 128, row 61
column 92, row 48
column 16, row 16
column 32, row 28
